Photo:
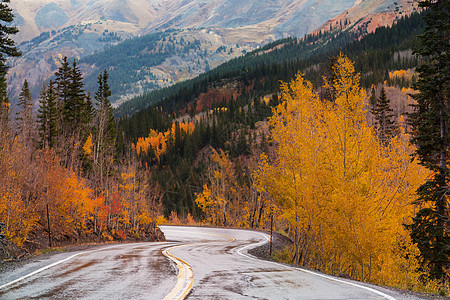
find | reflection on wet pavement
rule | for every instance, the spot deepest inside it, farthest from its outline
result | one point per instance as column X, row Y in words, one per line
column 221, row 269
column 129, row 271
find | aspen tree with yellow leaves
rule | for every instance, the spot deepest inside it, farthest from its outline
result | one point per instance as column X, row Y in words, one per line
column 140, row 199
column 227, row 201
column 157, row 142
column 345, row 193
column 217, row 198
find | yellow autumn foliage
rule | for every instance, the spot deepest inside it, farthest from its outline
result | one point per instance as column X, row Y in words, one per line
column 397, row 73
column 221, row 198
column 344, row 193
column 88, row 145
column 157, row 141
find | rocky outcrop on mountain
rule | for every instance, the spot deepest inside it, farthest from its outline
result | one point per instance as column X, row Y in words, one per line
column 368, row 15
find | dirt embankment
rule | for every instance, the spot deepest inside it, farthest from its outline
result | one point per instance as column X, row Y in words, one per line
column 279, row 243
column 8, row 251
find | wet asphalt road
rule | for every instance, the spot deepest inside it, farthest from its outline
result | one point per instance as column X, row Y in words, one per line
column 217, row 257
column 126, row 271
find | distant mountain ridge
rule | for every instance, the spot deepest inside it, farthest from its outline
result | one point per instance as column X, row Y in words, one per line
column 221, row 30
column 279, row 17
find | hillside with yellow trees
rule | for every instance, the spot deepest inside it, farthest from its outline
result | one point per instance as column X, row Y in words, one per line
column 340, row 189
column 327, row 155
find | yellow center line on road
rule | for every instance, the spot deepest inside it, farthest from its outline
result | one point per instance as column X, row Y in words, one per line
column 185, row 280
column 185, row 276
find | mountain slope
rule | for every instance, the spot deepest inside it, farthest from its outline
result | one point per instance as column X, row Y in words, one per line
column 371, row 14
column 78, row 28
column 220, row 30
column 282, row 17
column 375, row 55
column 40, row 16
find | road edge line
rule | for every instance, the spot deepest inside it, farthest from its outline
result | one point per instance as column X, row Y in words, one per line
column 39, row 270
column 239, row 251
column 51, row 265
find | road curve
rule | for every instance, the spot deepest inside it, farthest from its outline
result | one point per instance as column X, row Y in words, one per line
column 194, row 263
column 222, row 269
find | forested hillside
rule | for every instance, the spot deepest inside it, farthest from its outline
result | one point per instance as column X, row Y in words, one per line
column 130, row 62
column 156, row 60
column 225, row 104
column 63, row 182
column 376, row 54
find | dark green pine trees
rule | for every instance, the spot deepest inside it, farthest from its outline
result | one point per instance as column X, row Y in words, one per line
column 24, row 117
column 383, row 115
column 7, row 48
column 74, row 105
column 48, row 116
column 373, row 100
column 65, row 115
column 430, row 122
column 62, row 83
column 74, row 114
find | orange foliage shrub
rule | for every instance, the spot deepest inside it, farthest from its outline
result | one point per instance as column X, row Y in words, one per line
column 157, row 141
column 398, row 73
column 173, row 218
column 34, row 180
column 26, row 190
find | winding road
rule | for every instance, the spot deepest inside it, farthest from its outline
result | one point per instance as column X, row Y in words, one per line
column 194, row 263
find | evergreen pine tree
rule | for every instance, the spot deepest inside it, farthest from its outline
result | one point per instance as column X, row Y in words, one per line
column 373, row 100
column 430, row 123
column 242, row 144
column 88, row 114
column 24, row 116
column 372, row 103
column 383, row 118
column 62, row 82
column 72, row 121
column 74, row 108
column 7, row 48
column 48, row 116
